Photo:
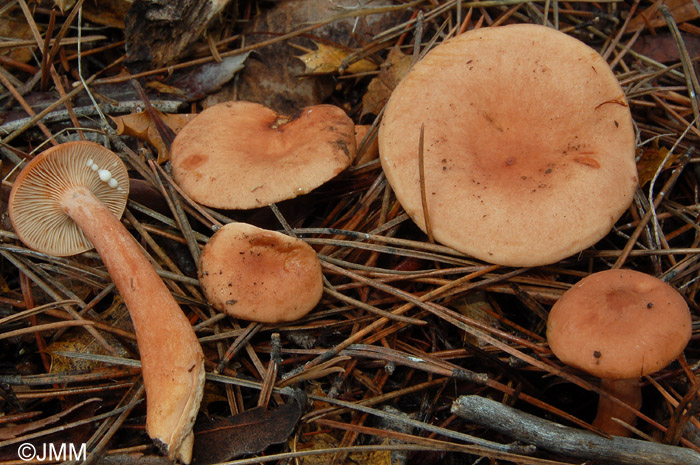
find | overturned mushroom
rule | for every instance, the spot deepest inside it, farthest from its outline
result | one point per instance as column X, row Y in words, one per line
column 528, row 149
column 260, row 275
column 68, row 200
column 619, row 325
column 242, row 155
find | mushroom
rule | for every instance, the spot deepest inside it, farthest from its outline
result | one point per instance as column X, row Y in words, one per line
column 528, row 148
column 65, row 201
column 260, row 275
column 243, row 155
column 619, row 325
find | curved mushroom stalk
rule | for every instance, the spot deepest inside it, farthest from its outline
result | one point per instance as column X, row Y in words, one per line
column 628, row 391
column 69, row 199
column 171, row 357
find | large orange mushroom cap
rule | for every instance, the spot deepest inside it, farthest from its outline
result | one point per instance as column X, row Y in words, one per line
column 619, row 324
column 528, row 144
column 243, row 155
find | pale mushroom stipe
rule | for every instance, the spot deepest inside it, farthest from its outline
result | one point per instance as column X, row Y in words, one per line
column 528, row 149
column 67, row 200
column 619, row 325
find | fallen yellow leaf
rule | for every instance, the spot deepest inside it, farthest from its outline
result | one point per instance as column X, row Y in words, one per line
column 379, row 89
column 650, row 161
column 327, row 59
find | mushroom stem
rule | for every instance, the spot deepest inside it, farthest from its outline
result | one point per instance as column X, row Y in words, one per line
column 626, row 390
column 171, row 357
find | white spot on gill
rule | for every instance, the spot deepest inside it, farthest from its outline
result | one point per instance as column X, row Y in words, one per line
column 94, row 167
column 112, row 183
column 104, row 175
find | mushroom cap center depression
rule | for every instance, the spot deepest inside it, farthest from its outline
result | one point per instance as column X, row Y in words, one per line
column 528, row 145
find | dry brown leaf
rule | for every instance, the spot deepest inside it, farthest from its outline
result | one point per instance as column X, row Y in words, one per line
column 15, row 27
column 108, row 13
column 141, row 126
column 681, row 10
column 650, row 161
column 271, row 76
column 248, row 432
column 328, row 441
column 83, row 343
column 327, row 59
column 64, row 5
column 379, row 89
column 663, row 47
column 477, row 307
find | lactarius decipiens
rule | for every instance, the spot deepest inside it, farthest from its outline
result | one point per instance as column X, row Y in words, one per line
column 260, row 275
column 619, row 325
column 528, row 149
column 242, row 155
column 69, row 199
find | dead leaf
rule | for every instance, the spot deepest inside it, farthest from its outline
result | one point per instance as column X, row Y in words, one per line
column 83, row 343
column 208, row 78
column 328, row 441
column 475, row 306
column 663, row 47
column 380, row 88
column 650, row 161
column 141, row 126
column 271, row 76
column 110, row 13
column 327, row 59
column 15, row 27
column 248, row 432
column 681, row 10
column 64, row 5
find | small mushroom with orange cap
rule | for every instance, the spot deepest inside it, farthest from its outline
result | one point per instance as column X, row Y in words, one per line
column 260, row 275
column 241, row 155
column 528, row 147
column 619, row 325
column 67, row 200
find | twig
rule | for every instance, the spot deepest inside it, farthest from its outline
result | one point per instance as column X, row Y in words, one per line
column 568, row 441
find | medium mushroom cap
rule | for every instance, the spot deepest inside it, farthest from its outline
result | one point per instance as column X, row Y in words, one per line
column 35, row 200
column 242, row 155
column 528, row 144
column 619, row 324
column 260, row 275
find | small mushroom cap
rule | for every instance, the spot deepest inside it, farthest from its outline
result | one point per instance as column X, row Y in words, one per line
column 260, row 275
column 35, row 200
column 528, row 144
column 619, row 324
column 242, row 155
